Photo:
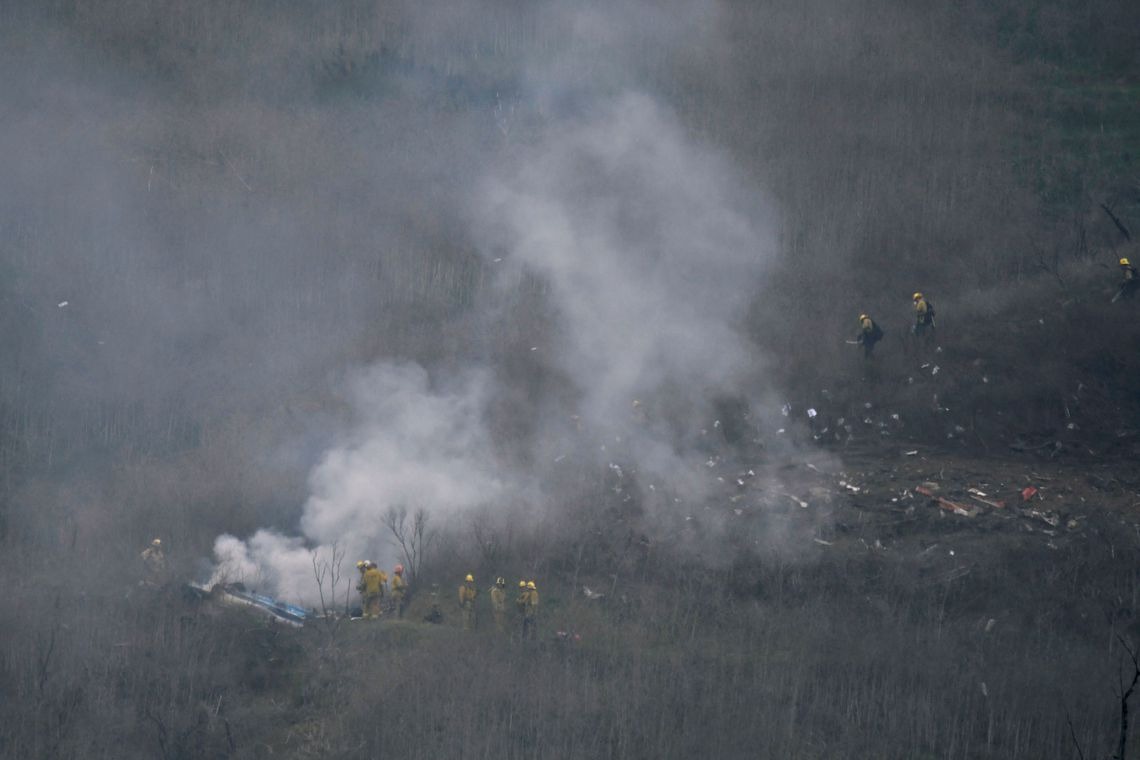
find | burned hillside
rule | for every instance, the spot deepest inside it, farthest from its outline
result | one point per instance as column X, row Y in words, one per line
column 571, row 295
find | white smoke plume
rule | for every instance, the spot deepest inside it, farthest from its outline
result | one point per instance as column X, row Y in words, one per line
column 412, row 446
column 650, row 245
column 652, row 248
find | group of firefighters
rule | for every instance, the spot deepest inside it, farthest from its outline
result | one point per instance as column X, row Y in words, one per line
column 526, row 605
column 923, row 326
column 373, row 587
column 870, row 333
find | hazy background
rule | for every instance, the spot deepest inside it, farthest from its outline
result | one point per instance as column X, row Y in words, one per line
column 550, row 270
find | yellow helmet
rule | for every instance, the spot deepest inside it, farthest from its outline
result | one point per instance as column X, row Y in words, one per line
column 862, row 317
column 361, row 564
column 522, row 584
column 917, row 296
column 470, row 578
column 1124, row 262
column 530, row 585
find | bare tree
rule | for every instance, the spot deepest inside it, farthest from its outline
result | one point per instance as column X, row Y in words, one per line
column 413, row 539
column 1125, row 695
column 327, row 572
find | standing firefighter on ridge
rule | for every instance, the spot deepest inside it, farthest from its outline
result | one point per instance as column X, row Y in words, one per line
column 399, row 590
column 520, row 601
column 923, row 316
column 499, row 604
column 1130, row 281
column 869, row 334
column 154, row 564
column 467, row 594
column 530, row 611
column 371, row 590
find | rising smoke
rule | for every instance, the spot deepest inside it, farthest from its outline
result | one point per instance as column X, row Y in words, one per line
column 650, row 247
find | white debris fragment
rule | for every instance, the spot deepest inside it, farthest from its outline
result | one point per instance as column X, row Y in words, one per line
column 738, row 511
column 976, row 492
column 559, row 458
column 990, row 624
column 959, row 429
column 985, row 691
column 751, row 473
column 812, row 413
column 985, row 379
column 951, row 552
column 935, row 370
column 910, row 453
column 534, row 348
column 867, row 405
column 780, row 431
column 710, row 463
column 496, row 261
column 802, row 504
column 739, row 481
column 62, row 304
column 786, row 409
column 821, row 542
column 895, row 417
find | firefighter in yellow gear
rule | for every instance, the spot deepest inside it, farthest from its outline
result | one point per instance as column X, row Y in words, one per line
column 530, row 611
column 467, row 595
column 869, row 334
column 372, row 590
column 399, row 590
column 499, row 604
column 154, row 564
column 1130, row 280
column 923, row 316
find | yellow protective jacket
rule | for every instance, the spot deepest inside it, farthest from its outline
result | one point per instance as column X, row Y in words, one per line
column 920, row 311
column 399, row 585
column 498, row 599
column 467, row 593
column 373, row 581
column 531, row 608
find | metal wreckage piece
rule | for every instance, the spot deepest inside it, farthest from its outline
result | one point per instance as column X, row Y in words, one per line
column 235, row 594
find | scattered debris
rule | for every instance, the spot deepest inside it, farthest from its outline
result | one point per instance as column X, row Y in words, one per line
column 591, row 594
column 62, row 304
column 1051, row 519
column 999, row 504
column 949, row 506
column 1028, row 493
column 910, row 453
column 800, row 502
column 821, row 542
